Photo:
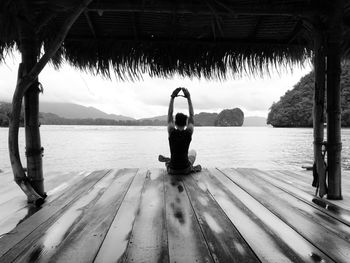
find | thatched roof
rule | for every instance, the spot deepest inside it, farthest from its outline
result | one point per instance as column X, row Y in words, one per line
column 210, row 38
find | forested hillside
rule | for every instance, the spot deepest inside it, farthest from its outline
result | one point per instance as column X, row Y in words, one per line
column 294, row 109
column 5, row 111
column 234, row 117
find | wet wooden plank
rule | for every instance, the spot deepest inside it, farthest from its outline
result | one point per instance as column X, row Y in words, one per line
column 303, row 181
column 300, row 185
column 148, row 240
column 115, row 243
column 85, row 225
column 225, row 242
column 271, row 239
column 44, row 217
column 16, row 210
column 308, row 175
column 9, row 189
column 324, row 232
column 185, row 239
column 11, row 193
column 39, row 244
column 304, row 194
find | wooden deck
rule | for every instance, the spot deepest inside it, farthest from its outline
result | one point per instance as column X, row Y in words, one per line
column 218, row 215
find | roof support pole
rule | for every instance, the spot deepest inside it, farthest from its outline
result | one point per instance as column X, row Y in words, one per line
column 27, row 85
column 32, row 185
column 30, row 53
column 20, row 177
column 334, row 145
column 318, row 111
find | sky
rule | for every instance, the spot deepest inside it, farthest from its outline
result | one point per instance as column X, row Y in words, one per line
column 149, row 97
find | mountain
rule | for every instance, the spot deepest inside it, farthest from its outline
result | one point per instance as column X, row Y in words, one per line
column 202, row 119
column 205, row 119
column 234, row 117
column 5, row 111
column 75, row 111
column 156, row 118
column 74, row 114
column 294, row 109
column 254, row 121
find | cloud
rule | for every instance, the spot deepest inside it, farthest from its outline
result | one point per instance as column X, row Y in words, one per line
column 150, row 96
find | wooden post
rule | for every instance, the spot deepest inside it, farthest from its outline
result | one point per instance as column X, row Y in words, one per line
column 318, row 109
column 333, row 100
column 30, row 53
column 17, row 168
column 27, row 77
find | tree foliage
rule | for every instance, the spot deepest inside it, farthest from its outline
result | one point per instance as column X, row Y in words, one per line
column 294, row 109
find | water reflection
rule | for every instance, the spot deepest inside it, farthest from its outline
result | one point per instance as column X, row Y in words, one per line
column 100, row 147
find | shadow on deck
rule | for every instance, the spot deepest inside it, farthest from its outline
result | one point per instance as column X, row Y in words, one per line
column 218, row 215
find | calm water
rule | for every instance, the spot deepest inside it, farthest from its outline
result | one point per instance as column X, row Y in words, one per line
column 75, row 148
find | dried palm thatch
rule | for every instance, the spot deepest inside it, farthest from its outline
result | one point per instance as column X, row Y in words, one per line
column 181, row 57
column 212, row 38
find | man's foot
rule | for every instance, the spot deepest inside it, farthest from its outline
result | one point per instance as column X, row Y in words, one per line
column 163, row 159
column 197, row 168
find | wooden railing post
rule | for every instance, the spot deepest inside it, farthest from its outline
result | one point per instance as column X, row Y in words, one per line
column 318, row 110
column 334, row 145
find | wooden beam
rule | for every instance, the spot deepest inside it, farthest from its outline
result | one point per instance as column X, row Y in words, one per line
column 56, row 43
column 24, row 82
column 20, row 177
column 91, row 26
column 186, row 7
column 258, row 21
column 216, row 21
column 208, row 41
column 334, row 145
column 30, row 53
column 135, row 24
column 297, row 28
column 44, row 21
column 318, row 111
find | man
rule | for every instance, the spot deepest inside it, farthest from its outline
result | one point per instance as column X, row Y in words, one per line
column 180, row 136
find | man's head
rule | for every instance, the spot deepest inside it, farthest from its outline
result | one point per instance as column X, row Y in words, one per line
column 180, row 120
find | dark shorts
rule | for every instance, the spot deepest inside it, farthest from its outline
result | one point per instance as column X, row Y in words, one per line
column 187, row 170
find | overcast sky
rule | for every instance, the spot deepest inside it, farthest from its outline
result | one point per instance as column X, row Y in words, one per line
column 150, row 96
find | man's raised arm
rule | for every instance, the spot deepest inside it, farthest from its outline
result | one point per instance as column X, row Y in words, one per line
column 171, row 109
column 190, row 124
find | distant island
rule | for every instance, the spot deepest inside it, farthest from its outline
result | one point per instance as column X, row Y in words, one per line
column 294, row 109
column 74, row 114
column 234, row 117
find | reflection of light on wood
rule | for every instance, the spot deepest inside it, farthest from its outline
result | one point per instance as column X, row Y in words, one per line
column 212, row 223
column 58, row 189
column 240, row 248
column 203, row 200
column 54, row 236
column 145, row 215
column 121, row 227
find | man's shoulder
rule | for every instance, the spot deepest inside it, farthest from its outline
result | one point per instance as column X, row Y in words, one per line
column 171, row 128
column 190, row 128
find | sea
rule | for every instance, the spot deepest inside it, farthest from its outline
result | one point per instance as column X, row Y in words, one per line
column 88, row 148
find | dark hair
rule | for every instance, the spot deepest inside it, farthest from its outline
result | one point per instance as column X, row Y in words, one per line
column 180, row 119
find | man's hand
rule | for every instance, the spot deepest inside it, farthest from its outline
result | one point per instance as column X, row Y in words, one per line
column 186, row 93
column 175, row 92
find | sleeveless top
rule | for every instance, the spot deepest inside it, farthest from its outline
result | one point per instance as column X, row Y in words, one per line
column 179, row 142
